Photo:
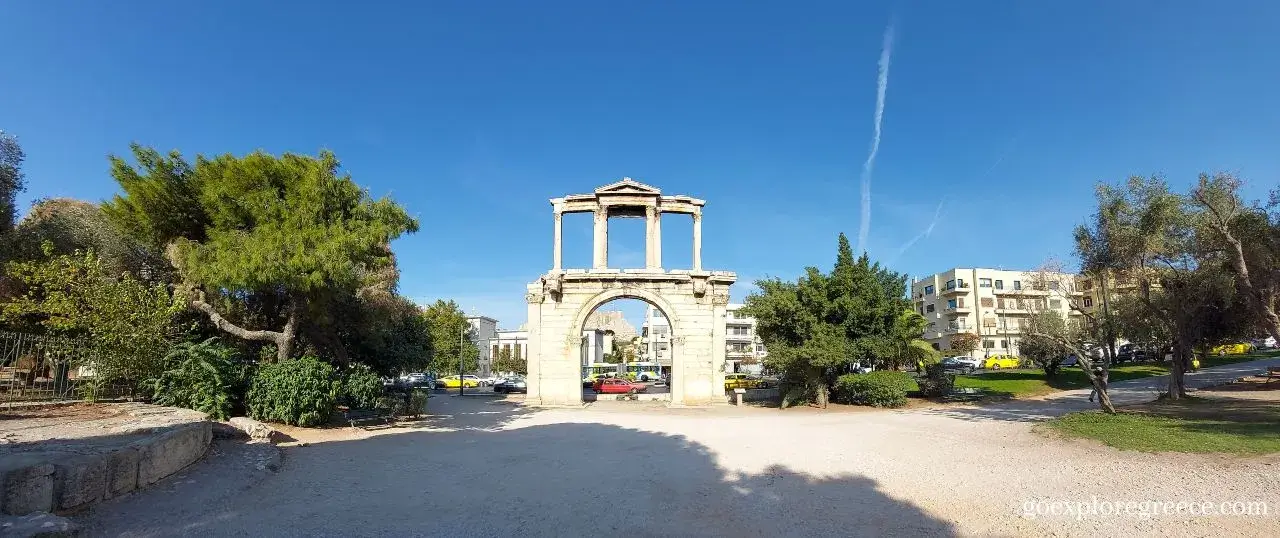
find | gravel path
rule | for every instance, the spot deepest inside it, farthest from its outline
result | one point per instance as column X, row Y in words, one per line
column 484, row 468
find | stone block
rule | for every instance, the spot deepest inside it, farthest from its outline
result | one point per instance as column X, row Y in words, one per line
column 122, row 471
column 81, row 480
column 172, row 451
column 27, row 487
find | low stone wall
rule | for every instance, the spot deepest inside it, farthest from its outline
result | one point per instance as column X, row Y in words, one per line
column 61, row 475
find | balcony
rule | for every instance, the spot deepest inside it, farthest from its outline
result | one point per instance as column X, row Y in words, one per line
column 958, row 309
column 741, row 337
column 956, row 329
column 955, row 290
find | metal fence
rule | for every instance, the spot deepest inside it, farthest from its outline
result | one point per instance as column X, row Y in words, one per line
column 39, row 368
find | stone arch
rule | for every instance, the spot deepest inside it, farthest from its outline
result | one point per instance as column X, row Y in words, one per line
column 693, row 300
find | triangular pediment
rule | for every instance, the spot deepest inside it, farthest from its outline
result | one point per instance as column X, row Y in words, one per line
column 628, row 186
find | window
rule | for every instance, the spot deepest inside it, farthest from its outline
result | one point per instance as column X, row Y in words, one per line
column 988, row 344
column 1088, row 302
column 928, row 290
column 928, row 308
column 1004, row 344
column 984, row 282
column 1086, row 285
column 1000, row 303
column 999, row 284
column 515, row 352
column 988, row 322
column 760, row 348
column 1017, row 284
column 1053, row 285
column 494, row 354
column 987, row 302
column 1055, row 303
column 960, row 283
column 741, row 331
column 951, row 304
column 951, row 285
column 658, row 313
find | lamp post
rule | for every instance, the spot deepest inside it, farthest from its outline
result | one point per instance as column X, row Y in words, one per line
column 462, row 381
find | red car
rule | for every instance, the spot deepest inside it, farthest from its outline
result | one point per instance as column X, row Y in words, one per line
column 617, row 386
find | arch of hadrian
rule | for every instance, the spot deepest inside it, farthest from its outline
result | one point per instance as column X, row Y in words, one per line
column 693, row 300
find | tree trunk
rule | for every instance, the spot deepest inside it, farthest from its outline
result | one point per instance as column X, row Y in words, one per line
column 1177, row 382
column 283, row 340
column 1263, row 303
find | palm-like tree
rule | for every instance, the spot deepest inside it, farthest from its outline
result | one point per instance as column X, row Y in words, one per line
column 905, row 345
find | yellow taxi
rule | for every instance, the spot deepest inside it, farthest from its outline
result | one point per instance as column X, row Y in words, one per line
column 1232, row 349
column 742, row 381
column 996, row 362
column 453, row 382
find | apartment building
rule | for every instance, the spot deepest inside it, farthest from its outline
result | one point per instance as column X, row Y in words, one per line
column 596, row 343
column 991, row 303
column 483, row 329
column 744, row 351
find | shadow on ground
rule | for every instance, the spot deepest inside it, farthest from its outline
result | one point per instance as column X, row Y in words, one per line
column 480, row 472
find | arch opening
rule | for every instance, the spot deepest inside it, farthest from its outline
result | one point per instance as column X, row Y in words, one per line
column 626, row 338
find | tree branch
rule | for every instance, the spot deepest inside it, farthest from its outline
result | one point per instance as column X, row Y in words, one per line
column 226, row 326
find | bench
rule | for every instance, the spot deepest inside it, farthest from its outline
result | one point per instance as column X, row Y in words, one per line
column 1273, row 372
column 354, row 416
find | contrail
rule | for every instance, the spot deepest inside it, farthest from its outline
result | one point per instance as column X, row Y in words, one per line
column 937, row 214
column 882, row 84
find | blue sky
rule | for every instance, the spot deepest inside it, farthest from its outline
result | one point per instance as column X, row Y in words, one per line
column 473, row 114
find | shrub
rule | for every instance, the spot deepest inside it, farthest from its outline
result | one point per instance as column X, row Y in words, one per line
column 417, row 403
column 936, row 382
column 361, row 387
column 877, row 389
column 297, row 391
column 204, row 377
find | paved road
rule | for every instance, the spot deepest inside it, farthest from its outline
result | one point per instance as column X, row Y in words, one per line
column 483, row 467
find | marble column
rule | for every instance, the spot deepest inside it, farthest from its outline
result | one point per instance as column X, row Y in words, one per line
column 653, row 239
column 600, row 258
column 697, row 241
column 556, row 253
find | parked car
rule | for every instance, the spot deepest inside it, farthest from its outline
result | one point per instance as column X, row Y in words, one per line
column 1264, row 343
column 453, row 382
column 996, row 362
column 417, row 379
column 491, row 380
column 742, row 381
column 511, row 384
column 859, row 368
column 1070, row 360
column 1130, row 352
column 614, row 385
column 970, row 362
column 955, row 364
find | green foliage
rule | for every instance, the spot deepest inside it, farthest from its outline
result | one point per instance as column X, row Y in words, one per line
column 361, row 386
column 417, row 403
column 876, row 389
column 451, row 337
column 12, row 182
column 202, row 376
column 820, row 324
column 510, row 361
column 279, row 238
column 70, row 225
column 128, row 324
column 1043, row 343
column 300, row 392
column 936, row 381
column 965, row 343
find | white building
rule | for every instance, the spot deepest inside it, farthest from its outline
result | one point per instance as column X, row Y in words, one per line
column 596, row 343
column 483, row 329
column 991, row 303
column 744, row 350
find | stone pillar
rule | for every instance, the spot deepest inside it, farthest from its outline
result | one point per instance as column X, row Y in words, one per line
column 653, row 239
column 556, row 256
column 697, row 241
column 600, row 258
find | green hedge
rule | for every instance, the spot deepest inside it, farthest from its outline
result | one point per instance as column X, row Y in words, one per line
column 205, row 377
column 301, row 392
column 361, row 386
column 877, row 389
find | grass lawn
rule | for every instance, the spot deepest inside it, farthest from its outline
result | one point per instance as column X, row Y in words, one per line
column 1025, row 382
column 1232, row 426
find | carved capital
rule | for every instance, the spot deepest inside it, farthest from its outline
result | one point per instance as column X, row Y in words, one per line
column 533, row 297
column 720, row 298
column 677, row 340
column 699, row 287
column 558, row 217
column 552, row 285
